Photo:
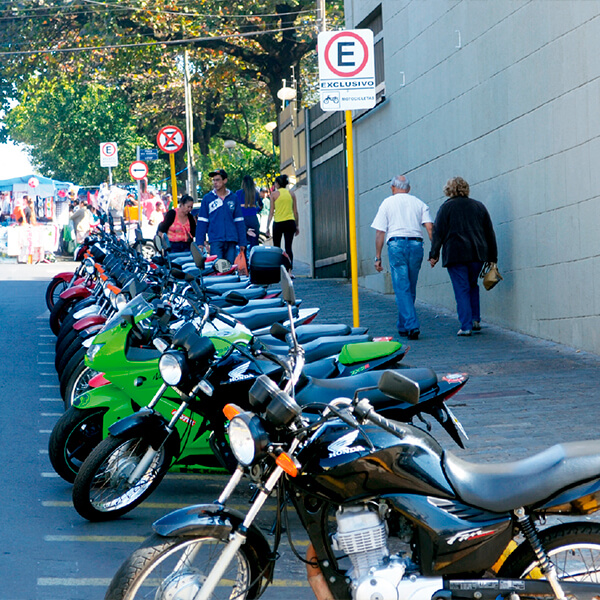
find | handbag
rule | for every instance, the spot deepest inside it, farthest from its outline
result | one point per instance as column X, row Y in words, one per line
column 490, row 275
column 240, row 262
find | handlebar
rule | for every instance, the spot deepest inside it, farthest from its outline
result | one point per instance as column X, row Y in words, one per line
column 365, row 412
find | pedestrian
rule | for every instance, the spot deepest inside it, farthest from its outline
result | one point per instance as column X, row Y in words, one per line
column 283, row 211
column 29, row 211
column 158, row 214
column 179, row 226
column 463, row 230
column 220, row 216
column 251, row 204
column 399, row 222
column 81, row 221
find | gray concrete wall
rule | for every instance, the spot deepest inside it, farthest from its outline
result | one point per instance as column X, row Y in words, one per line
column 505, row 93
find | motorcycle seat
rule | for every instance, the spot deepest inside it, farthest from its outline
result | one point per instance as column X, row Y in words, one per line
column 262, row 317
column 502, row 487
column 309, row 333
column 326, row 390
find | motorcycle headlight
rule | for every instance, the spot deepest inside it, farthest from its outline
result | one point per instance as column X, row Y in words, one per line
column 93, row 350
column 172, row 367
column 89, row 266
column 247, row 438
column 118, row 301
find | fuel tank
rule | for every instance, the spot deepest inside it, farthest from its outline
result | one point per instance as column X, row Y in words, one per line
column 344, row 464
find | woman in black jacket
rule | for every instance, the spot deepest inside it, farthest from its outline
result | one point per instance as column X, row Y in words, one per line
column 179, row 225
column 463, row 230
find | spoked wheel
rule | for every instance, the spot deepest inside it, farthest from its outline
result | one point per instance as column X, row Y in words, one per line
column 74, row 436
column 54, row 290
column 78, row 384
column 574, row 549
column 104, row 488
column 164, row 568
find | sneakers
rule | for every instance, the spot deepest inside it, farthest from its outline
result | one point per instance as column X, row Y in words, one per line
column 476, row 326
column 464, row 333
column 413, row 334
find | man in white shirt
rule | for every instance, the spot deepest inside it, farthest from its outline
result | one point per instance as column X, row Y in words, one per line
column 399, row 222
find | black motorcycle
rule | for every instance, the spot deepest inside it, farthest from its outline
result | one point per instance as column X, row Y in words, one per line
column 389, row 513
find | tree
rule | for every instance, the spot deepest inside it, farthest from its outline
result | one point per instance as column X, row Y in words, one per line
column 64, row 124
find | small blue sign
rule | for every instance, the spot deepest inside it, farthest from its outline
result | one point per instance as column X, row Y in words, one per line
column 148, row 154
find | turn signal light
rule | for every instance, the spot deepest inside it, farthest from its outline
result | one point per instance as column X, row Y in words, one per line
column 287, row 463
column 114, row 289
column 103, row 276
column 231, row 410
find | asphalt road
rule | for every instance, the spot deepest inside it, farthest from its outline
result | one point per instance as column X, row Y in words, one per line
column 48, row 551
column 524, row 395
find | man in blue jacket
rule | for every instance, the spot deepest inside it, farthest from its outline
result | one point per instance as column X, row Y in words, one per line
column 221, row 217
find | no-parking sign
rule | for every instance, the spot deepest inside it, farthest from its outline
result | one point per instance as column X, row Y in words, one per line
column 346, row 69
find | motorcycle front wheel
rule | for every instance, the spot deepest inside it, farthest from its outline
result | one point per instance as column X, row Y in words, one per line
column 176, row 567
column 573, row 548
column 54, row 290
column 74, row 436
column 77, row 383
column 102, row 490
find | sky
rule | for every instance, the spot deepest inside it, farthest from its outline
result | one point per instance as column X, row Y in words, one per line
column 13, row 162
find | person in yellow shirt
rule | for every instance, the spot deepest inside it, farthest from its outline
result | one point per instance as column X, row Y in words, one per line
column 284, row 214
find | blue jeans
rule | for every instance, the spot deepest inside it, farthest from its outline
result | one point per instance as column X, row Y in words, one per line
column 466, row 291
column 226, row 250
column 405, row 257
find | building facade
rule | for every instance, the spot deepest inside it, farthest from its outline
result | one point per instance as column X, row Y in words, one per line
column 505, row 93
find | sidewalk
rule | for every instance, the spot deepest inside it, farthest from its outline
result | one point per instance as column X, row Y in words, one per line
column 524, row 394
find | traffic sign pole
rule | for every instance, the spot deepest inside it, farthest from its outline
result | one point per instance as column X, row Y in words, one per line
column 173, row 179
column 139, row 187
column 352, row 220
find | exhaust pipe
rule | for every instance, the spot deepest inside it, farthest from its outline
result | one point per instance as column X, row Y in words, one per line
column 315, row 576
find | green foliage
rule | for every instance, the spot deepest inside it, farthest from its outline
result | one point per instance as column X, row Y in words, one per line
column 127, row 94
column 64, row 124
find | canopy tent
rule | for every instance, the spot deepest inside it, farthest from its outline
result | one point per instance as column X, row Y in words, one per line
column 47, row 187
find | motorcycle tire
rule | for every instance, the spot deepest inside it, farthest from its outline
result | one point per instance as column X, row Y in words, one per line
column 73, row 437
column 74, row 365
column 101, row 491
column 153, row 563
column 54, row 290
column 570, row 546
column 77, row 384
column 59, row 312
column 68, row 353
column 66, row 328
column 63, row 344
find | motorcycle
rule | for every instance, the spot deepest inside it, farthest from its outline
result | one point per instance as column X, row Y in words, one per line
column 388, row 512
column 121, row 374
column 129, row 464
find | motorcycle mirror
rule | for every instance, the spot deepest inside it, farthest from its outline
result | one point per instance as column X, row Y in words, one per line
column 397, row 386
column 197, row 255
column 236, row 299
column 279, row 332
column 287, row 287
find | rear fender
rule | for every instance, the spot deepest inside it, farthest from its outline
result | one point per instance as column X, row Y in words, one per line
column 216, row 521
column 145, row 423
column 77, row 291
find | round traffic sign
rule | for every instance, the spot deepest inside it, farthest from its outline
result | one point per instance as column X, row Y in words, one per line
column 108, row 149
column 337, row 63
column 138, row 169
column 170, row 139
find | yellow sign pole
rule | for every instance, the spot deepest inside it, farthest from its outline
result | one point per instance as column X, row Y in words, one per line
column 173, row 179
column 352, row 219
